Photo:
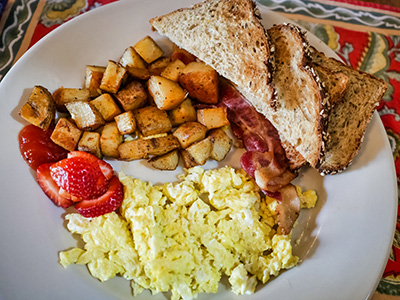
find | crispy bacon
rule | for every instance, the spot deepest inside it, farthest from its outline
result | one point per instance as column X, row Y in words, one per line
column 288, row 208
column 265, row 159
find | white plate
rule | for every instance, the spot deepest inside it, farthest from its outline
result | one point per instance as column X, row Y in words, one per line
column 343, row 242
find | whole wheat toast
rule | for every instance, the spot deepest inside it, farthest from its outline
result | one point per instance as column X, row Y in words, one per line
column 349, row 116
column 228, row 36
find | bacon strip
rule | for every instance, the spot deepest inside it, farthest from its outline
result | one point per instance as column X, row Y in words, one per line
column 265, row 159
column 288, row 208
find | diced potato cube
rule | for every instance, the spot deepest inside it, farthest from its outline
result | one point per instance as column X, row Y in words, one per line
column 167, row 161
column 200, row 151
column 113, row 77
column 222, row 143
column 184, row 112
column 143, row 148
column 167, row 94
column 188, row 160
column 63, row 96
column 94, row 74
column 173, row 70
column 157, row 66
column 85, row 115
column 182, row 54
column 134, row 149
column 189, row 133
column 150, row 120
column 40, row 109
column 138, row 73
column 130, row 58
column 163, row 144
column 66, row 134
column 90, row 142
column 132, row 96
column 110, row 140
column 126, row 122
column 107, row 107
column 148, row 49
column 213, row 117
column 201, row 82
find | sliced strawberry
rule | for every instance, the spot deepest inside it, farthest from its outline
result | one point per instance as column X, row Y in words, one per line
column 105, row 167
column 106, row 203
column 80, row 177
column 65, row 194
column 50, row 187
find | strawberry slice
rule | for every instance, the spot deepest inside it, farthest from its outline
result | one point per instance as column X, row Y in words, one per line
column 50, row 187
column 105, row 167
column 80, row 177
column 104, row 204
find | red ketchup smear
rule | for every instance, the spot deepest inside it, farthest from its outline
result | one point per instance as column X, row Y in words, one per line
column 37, row 148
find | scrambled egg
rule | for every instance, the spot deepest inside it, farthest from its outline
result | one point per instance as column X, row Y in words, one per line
column 185, row 236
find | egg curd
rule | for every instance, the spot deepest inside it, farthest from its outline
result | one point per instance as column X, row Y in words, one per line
column 183, row 237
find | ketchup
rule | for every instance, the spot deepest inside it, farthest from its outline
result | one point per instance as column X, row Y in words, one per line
column 37, row 148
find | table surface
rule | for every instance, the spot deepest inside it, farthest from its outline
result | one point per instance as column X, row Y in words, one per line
column 360, row 40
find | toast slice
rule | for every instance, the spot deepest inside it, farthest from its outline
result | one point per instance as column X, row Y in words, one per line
column 349, row 116
column 300, row 109
column 228, row 36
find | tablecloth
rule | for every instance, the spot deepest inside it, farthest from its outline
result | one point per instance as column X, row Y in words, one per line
column 364, row 33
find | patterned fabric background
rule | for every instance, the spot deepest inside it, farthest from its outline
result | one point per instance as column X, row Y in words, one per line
column 363, row 34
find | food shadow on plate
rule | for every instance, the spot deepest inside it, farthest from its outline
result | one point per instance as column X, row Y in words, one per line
column 306, row 232
column 22, row 100
column 77, row 237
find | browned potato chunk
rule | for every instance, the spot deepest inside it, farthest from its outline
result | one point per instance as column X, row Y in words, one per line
column 189, row 133
column 167, row 94
column 150, row 120
column 66, row 134
column 63, row 96
column 85, row 115
column 106, row 106
column 132, row 96
column 110, row 140
column 40, row 109
column 126, row 122
column 184, row 112
column 173, row 70
column 182, row 54
column 221, row 142
column 135, row 149
column 94, row 74
column 90, row 142
column 156, row 67
column 113, row 77
column 138, row 73
column 143, row 148
column 148, row 49
column 167, row 161
column 213, row 117
column 200, row 151
column 188, row 160
column 130, row 58
column 201, row 81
